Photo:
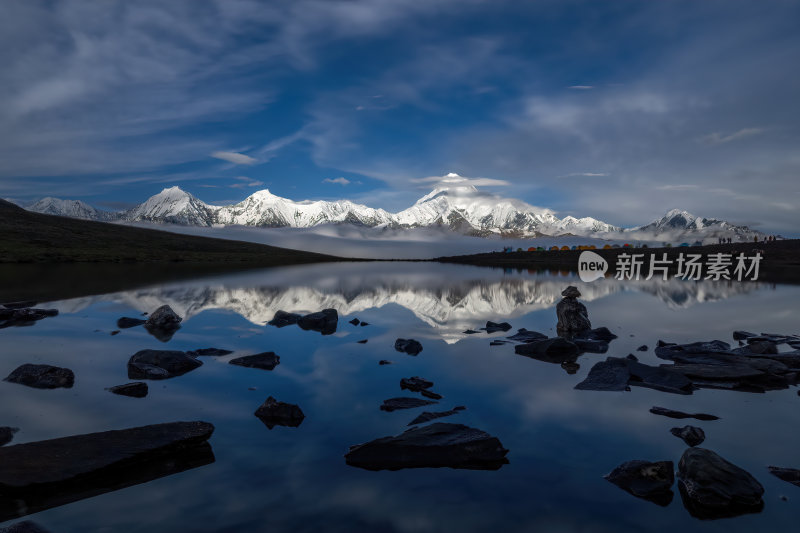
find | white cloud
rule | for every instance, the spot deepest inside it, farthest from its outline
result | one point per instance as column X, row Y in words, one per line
column 718, row 138
column 678, row 187
column 246, row 182
column 581, row 87
column 235, row 157
column 585, row 174
column 454, row 179
column 340, row 181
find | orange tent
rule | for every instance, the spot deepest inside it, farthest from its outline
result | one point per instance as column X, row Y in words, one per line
column 531, row 249
column 553, row 248
column 565, row 247
column 607, row 247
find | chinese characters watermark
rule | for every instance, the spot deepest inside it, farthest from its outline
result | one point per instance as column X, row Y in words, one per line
column 715, row 267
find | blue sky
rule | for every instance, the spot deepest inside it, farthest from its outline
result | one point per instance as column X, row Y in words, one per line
column 618, row 110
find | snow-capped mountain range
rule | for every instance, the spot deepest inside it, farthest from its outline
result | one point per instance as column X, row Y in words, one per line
column 461, row 208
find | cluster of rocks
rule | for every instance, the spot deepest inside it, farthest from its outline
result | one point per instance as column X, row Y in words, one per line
column 22, row 316
column 325, row 321
column 161, row 323
column 710, row 486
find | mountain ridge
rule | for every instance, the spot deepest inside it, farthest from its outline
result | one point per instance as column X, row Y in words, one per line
column 461, row 208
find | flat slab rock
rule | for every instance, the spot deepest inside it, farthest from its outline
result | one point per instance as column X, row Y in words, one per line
column 7, row 434
column 137, row 389
column 617, row 373
column 274, row 413
column 663, row 411
column 264, row 361
column 393, row 404
column 494, row 327
column 691, row 435
column 427, row 416
column 415, row 384
column 23, row 316
column 646, row 480
column 324, row 321
column 712, row 487
column 35, row 464
column 434, row 446
column 790, row 475
column 160, row 364
column 42, row 376
column 214, row 352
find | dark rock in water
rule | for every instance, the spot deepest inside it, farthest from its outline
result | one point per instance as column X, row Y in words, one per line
column 631, row 357
column 498, row 342
column 127, row 322
column 283, row 319
column 437, row 445
column 355, row 322
column 661, row 343
column 663, row 411
column 274, row 413
column 39, row 475
column 427, row 416
column 384, row 362
column 570, row 367
column 415, row 384
column 763, row 347
column 42, row 376
column 712, row 487
column 26, row 526
column 691, row 435
column 364, row 324
column 590, row 345
column 573, row 318
column 362, row 341
column 23, row 316
column 137, row 389
column 19, row 305
column 741, row 335
column 642, row 348
column 555, row 350
column 264, row 361
column 646, row 480
column 790, row 475
column 160, row 364
column 163, row 318
column 324, row 321
column 525, row 335
column 393, row 404
column 494, row 327
column 7, row 434
column 670, row 351
column 609, row 375
column 470, row 332
column 409, row 346
column 208, row 351
column 430, row 394
column 115, row 332
column 599, row 334
column 659, row 378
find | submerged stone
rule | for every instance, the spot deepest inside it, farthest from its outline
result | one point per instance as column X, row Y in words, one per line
column 160, row 364
column 42, row 376
column 264, row 361
column 208, row 351
column 393, row 404
column 644, row 479
column 691, row 435
column 427, row 416
column 663, row 411
column 415, row 384
column 433, row 446
column 790, row 475
column 274, row 413
column 409, row 346
column 712, row 487
column 555, row 350
column 127, row 322
column 137, row 389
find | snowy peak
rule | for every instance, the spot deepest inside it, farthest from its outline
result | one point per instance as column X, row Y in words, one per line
column 174, row 205
column 68, row 208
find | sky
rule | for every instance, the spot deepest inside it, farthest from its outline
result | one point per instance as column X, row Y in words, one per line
column 619, row 110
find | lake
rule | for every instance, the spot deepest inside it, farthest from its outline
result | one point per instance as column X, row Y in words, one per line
column 561, row 441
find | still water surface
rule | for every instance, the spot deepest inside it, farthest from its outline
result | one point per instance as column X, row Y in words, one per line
column 561, row 441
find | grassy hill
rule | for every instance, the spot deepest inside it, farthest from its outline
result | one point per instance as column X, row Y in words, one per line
column 27, row 237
